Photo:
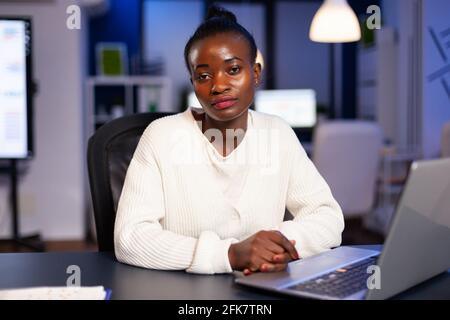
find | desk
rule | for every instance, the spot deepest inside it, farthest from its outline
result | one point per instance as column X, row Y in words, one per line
column 127, row 282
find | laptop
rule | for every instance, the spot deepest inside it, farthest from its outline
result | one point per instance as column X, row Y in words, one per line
column 415, row 249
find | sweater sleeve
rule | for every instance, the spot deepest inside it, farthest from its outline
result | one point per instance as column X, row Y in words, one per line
column 318, row 220
column 139, row 238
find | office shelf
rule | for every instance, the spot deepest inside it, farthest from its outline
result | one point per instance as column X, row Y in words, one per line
column 135, row 93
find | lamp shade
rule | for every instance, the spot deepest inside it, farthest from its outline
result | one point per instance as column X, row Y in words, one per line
column 335, row 22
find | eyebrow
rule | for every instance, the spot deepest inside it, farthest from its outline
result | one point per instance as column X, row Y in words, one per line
column 201, row 66
column 226, row 60
column 233, row 58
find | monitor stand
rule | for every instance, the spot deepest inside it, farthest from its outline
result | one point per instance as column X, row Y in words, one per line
column 32, row 242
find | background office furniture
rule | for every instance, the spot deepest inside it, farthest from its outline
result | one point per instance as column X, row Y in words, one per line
column 128, row 282
column 347, row 154
column 395, row 167
column 135, row 94
column 445, row 141
column 110, row 151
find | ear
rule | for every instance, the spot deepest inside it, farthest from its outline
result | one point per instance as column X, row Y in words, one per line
column 257, row 73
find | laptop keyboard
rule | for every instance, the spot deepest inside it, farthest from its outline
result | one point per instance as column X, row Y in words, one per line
column 341, row 282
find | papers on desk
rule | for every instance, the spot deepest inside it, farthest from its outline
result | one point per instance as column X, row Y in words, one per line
column 56, row 293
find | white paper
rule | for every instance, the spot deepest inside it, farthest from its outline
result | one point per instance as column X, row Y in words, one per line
column 54, row 293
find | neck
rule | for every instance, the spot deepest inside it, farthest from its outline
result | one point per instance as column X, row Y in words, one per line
column 232, row 131
column 238, row 123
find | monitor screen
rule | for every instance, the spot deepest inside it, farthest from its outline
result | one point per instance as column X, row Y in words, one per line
column 296, row 106
column 193, row 101
column 15, row 80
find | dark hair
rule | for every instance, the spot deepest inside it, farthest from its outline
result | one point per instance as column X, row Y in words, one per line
column 219, row 20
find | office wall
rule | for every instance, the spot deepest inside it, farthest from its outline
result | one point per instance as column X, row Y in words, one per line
column 423, row 105
column 399, row 15
column 52, row 193
column 300, row 63
column 167, row 27
column 436, row 75
column 120, row 23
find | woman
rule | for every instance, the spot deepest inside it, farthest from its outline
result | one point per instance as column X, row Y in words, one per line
column 206, row 190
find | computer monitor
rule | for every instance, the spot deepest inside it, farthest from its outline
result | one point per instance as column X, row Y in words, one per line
column 193, row 101
column 296, row 106
column 15, row 88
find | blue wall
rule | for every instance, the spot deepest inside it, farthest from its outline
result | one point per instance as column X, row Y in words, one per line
column 122, row 23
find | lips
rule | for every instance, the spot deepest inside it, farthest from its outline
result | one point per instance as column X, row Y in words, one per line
column 224, row 103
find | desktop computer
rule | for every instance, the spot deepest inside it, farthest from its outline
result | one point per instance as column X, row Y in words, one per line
column 193, row 101
column 296, row 106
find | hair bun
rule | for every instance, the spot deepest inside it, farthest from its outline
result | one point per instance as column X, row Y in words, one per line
column 215, row 11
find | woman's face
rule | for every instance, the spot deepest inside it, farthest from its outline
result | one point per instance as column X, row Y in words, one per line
column 223, row 75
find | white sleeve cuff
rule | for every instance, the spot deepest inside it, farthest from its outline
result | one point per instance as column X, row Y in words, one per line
column 211, row 254
column 289, row 229
column 308, row 241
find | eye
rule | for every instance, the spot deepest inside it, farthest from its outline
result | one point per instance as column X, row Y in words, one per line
column 202, row 76
column 235, row 69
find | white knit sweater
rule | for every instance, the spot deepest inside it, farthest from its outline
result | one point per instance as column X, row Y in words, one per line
column 183, row 204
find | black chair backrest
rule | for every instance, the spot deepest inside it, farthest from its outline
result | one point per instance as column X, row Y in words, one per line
column 110, row 151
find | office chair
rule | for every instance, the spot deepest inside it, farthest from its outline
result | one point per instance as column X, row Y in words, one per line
column 110, row 151
column 347, row 154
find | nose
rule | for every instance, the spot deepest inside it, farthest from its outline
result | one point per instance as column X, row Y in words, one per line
column 220, row 84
